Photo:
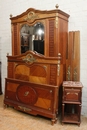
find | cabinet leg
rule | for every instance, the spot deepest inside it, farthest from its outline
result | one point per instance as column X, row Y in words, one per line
column 80, row 113
column 63, row 105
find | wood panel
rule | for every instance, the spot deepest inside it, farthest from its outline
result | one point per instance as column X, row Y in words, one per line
column 53, row 76
column 15, row 47
column 10, row 70
column 32, row 98
column 51, row 37
column 73, row 60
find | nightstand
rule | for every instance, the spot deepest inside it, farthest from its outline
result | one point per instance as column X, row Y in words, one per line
column 71, row 102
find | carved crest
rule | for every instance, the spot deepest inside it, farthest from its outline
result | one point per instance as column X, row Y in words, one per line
column 31, row 16
column 29, row 58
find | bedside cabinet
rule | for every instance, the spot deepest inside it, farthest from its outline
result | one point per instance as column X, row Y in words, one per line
column 71, row 102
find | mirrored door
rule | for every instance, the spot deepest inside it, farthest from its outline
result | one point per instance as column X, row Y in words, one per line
column 32, row 38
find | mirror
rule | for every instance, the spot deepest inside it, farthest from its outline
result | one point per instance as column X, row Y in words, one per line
column 32, row 38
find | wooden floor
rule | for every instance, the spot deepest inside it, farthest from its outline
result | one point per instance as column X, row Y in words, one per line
column 11, row 119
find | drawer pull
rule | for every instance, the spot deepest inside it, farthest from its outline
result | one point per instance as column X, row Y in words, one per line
column 76, row 93
column 26, row 93
column 71, row 93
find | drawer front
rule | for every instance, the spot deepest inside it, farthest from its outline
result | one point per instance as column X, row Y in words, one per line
column 73, row 95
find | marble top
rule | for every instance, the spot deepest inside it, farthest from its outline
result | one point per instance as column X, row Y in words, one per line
column 72, row 83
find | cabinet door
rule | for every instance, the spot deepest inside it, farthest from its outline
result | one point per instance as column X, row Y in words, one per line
column 27, row 37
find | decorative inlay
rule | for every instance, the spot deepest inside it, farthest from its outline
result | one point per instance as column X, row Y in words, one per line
column 26, row 94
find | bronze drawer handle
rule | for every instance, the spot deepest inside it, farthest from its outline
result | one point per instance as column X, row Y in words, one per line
column 26, row 93
column 73, row 93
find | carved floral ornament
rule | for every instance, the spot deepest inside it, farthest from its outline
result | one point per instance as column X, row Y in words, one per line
column 31, row 16
column 29, row 58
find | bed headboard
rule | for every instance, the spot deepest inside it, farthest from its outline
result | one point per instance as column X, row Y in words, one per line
column 34, row 67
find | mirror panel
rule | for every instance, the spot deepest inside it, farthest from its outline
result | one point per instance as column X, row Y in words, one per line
column 32, row 38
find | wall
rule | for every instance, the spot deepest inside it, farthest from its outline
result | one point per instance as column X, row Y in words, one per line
column 77, row 9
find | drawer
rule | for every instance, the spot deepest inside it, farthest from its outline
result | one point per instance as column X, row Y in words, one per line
column 72, row 94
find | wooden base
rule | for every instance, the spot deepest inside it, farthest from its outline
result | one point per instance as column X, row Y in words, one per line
column 71, row 118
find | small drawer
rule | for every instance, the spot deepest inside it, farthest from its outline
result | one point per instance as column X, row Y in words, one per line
column 72, row 94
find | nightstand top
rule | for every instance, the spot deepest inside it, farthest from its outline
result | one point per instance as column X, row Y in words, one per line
column 72, row 84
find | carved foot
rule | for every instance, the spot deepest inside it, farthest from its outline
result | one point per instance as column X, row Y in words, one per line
column 56, row 120
column 62, row 123
column 5, row 106
column 79, row 124
column 53, row 121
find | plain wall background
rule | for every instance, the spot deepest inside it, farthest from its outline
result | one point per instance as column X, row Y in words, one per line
column 77, row 9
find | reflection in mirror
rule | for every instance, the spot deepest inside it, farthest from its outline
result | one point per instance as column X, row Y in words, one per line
column 32, row 38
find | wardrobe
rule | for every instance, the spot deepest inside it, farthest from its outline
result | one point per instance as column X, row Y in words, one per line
column 37, row 66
